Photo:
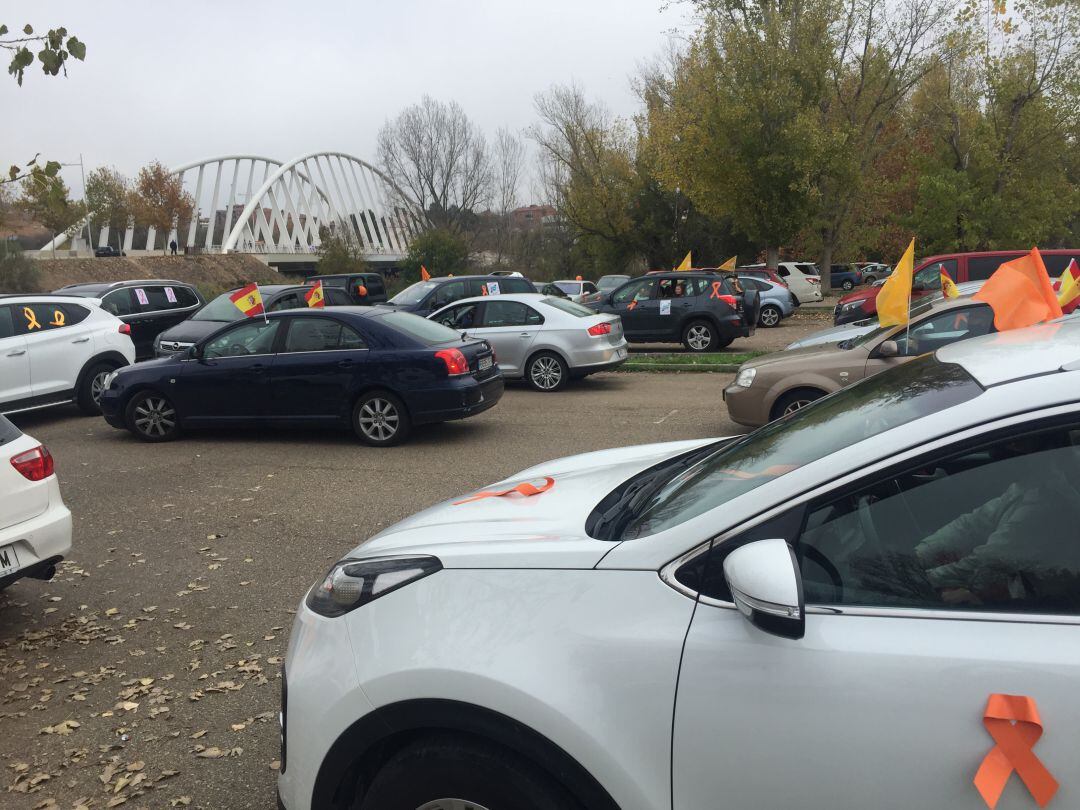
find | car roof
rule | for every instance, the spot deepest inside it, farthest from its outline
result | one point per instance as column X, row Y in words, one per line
column 523, row 298
column 488, row 277
column 1003, row 357
column 273, row 289
column 15, row 298
column 111, row 285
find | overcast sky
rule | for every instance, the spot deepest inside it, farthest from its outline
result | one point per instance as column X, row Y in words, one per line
column 199, row 78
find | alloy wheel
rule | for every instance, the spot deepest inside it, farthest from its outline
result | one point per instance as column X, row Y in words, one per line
column 698, row 337
column 379, row 419
column 154, row 416
column 770, row 317
column 451, row 804
column 97, row 386
column 546, row 373
column 797, row 405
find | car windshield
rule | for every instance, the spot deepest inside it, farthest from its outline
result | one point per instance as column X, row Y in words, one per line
column 851, row 415
column 862, row 340
column 422, row 329
column 609, row 283
column 220, row 309
column 414, row 294
column 569, row 287
column 568, row 306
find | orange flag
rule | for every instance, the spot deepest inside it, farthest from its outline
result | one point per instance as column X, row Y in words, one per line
column 424, row 274
column 1020, row 293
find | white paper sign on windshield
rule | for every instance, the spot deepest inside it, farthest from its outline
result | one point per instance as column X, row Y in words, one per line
column 493, row 288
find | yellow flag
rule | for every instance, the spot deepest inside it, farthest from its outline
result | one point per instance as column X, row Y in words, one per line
column 894, row 300
column 729, row 265
column 686, row 265
column 1070, row 287
column 948, row 286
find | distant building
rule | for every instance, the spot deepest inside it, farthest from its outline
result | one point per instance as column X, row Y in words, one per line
column 530, row 217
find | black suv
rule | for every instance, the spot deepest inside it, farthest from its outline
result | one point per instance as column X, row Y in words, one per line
column 424, row 297
column 704, row 311
column 351, row 283
column 149, row 306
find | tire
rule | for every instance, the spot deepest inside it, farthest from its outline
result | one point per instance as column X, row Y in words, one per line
column 869, row 279
column 546, row 372
column 465, row 774
column 380, row 419
column 89, row 393
column 770, row 316
column 793, row 401
column 847, row 284
column 152, row 417
column 700, row 336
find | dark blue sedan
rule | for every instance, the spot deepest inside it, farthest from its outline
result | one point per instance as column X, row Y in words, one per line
column 372, row 368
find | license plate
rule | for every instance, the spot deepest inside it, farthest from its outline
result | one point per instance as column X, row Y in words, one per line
column 485, row 363
column 8, row 560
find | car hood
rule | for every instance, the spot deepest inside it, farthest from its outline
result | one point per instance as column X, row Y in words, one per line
column 806, row 357
column 515, row 531
column 192, row 331
column 834, row 334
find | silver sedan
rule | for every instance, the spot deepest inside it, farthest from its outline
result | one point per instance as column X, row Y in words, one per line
column 544, row 340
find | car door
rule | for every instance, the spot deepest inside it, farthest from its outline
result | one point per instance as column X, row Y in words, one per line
column 933, row 332
column 928, row 588
column 14, row 360
column 510, row 327
column 638, row 307
column 317, row 367
column 59, row 342
column 148, row 305
column 230, row 379
column 462, row 318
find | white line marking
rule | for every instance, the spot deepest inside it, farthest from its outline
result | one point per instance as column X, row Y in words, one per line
column 666, row 416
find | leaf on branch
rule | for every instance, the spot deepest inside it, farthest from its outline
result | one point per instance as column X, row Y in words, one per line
column 76, row 48
column 13, row 172
column 3, row 30
column 28, row 29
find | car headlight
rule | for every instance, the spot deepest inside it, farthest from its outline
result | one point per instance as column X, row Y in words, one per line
column 350, row 583
column 108, row 381
column 850, row 305
column 745, row 377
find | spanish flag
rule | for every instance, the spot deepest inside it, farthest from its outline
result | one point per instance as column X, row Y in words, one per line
column 424, row 274
column 894, row 300
column 248, row 300
column 1068, row 288
column 729, row 265
column 314, row 296
column 1020, row 293
column 948, row 286
column 685, row 264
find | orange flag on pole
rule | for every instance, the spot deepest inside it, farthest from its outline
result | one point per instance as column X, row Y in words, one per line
column 424, row 274
column 1020, row 293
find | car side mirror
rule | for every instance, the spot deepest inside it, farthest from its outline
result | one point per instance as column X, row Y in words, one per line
column 889, row 348
column 765, row 582
column 194, row 352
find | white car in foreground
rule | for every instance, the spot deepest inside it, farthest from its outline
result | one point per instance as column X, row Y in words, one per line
column 817, row 615
column 35, row 526
column 546, row 341
column 56, row 349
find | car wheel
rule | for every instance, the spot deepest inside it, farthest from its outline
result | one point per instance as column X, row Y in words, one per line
column 770, row 316
column 869, row 279
column 448, row 773
column 848, row 284
column 546, row 372
column 380, row 419
column 700, row 336
column 152, row 417
column 793, row 401
column 88, row 397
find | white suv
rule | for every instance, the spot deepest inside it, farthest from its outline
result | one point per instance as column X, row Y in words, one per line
column 802, row 278
column 35, row 526
column 820, row 614
column 56, row 349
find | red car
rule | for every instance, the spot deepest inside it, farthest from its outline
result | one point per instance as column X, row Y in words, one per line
column 962, row 267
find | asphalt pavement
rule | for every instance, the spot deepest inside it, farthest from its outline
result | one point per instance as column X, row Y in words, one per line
column 147, row 674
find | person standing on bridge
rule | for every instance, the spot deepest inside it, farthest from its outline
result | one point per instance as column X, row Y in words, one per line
column 172, row 247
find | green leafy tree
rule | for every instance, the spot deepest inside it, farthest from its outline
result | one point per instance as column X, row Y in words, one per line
column 47, row 201
column 441, row 251
column 339, row 252
column 108, row 201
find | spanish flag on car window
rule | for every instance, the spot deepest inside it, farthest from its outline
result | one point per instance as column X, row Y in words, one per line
column 948, row 286
column 248, row 300
column 1068, row 288
column 314, row 296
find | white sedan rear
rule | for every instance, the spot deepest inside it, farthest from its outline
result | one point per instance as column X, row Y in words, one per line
column 542, row 339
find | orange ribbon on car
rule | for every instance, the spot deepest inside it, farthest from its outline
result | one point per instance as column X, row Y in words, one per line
column 1013, row 722
column 717, row 289
column 525, row 488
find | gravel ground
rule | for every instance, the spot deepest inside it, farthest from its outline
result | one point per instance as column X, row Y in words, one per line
column 147, row 673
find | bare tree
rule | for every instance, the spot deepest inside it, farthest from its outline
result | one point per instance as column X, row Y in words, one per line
column 509, row 164
column 440, row 160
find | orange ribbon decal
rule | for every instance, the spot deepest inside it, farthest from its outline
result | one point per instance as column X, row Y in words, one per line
column 1013, row 722
column 716, row 285
column 31, row 319
column 525, row 488
column 58, row 318
column 631, row 305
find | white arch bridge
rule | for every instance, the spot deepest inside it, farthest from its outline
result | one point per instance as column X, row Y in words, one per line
column 255, row 204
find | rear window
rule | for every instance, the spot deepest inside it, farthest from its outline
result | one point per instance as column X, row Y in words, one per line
column 414, row 294
column 221, row 309
column 568, row 306
column 516, row 285
column 569, row 287
column 8, row 431
column 420, row 328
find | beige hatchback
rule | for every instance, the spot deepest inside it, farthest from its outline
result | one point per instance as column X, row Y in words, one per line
column 770, row 387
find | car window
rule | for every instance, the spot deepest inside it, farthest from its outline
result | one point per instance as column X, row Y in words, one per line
column 783, row 271
column 1055, row 265
column 568, row 307
column 753, row 283
column 809, row 269
column 851, row 415
column 119, row 302
column 45, row 316
column 335, row 297
column 569, row 287
column 929, row 278
column 676, row 287
column 73, row 313
column 641, row 290
column 509, row 313
column 374, row 285
column 287, row 301
column 220, row 309
column 320, row 335
column 590, row 287
column 7, row 323
column 422, row 329
column 948, row 327
column 414, row 293
column 448, row 293
column 460, row 317
column 180, row 297
column 516, row 285
column 152, row 299
column 253, row 337
column 987, row 528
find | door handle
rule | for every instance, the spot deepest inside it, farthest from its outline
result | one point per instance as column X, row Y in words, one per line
column 81, row 340
column 525, row 334
column 17, row 354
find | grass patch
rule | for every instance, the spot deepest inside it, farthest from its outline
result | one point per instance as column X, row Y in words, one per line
column 688, row 362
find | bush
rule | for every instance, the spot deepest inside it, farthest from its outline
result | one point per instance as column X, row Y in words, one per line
column 18, row 274
column 440, row 251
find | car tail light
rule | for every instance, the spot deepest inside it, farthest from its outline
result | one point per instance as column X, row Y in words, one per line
column 456, row 364
column 814, row 280
column 600, row 329
column 125, row 329
column 34, row 465
column 730, row 300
